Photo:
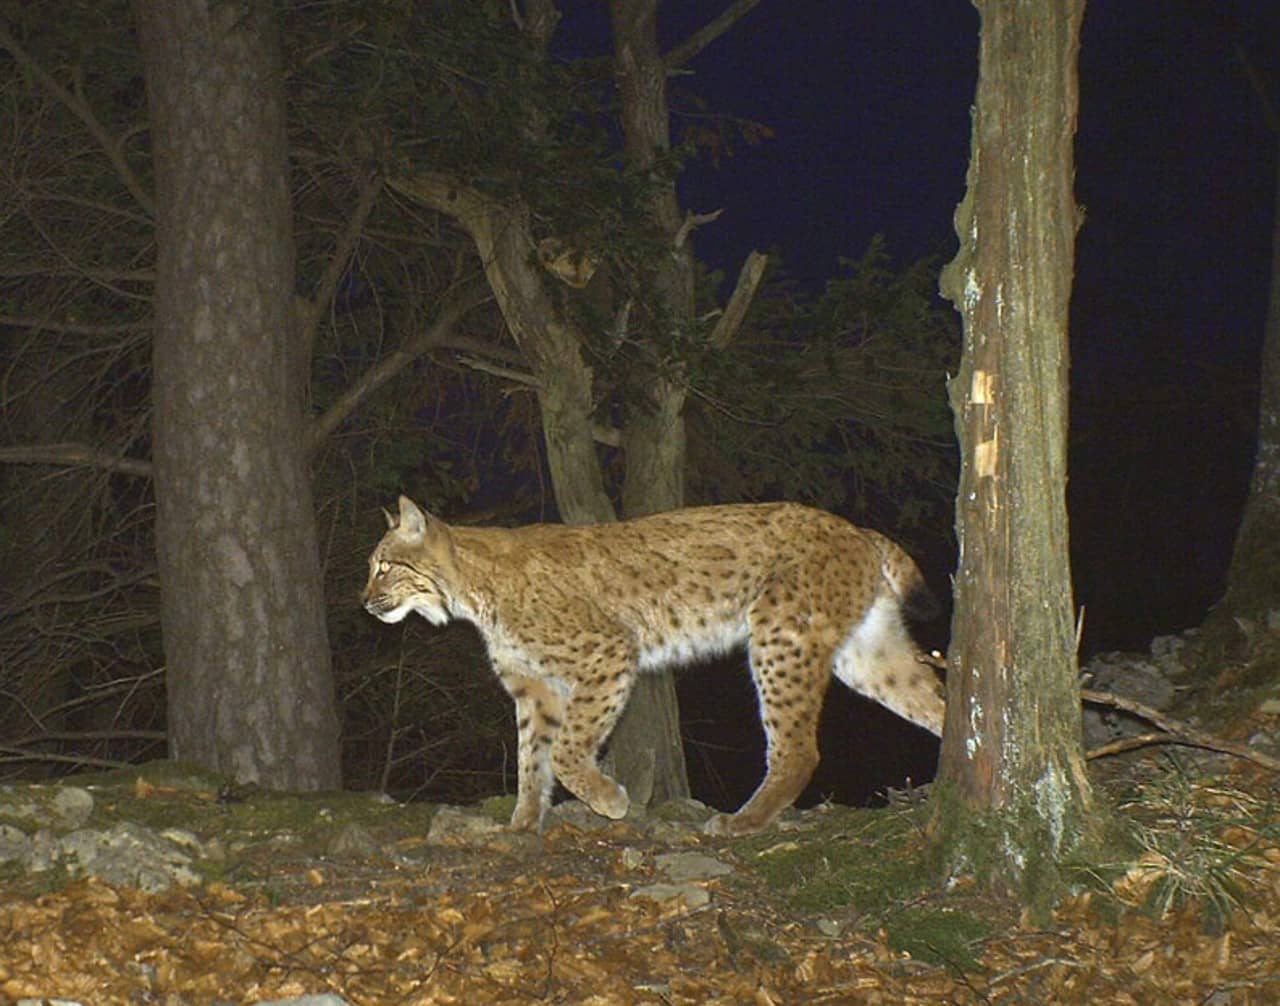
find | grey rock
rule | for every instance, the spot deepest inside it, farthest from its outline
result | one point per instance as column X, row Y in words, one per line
column 828, row 927
column 691, row 895
column 1128, row 675
column 460, row 826
column 46, row 850
column 128, row 855
column 578, row 814
column 682, row 866
column 1166, row 654
column 72, row 805
column 354, row 842
column 682, row 810
column 184, row 839
column 15, row 844
column 57, row 807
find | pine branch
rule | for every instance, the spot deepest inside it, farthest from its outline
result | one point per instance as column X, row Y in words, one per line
column 311, row 308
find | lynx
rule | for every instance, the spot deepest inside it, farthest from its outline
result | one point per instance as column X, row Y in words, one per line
column 570, row 616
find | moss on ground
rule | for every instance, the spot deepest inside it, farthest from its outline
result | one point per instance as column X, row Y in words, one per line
column 869, row 868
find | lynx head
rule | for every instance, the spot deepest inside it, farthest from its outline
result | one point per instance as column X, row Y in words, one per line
column 411, row 567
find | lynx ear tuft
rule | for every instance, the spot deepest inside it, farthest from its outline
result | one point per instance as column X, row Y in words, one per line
column 413, row 521
column 391, row 521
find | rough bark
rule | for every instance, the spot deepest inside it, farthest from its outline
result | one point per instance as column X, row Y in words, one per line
column 1253, row 579
column 1012, row 798
column 242, row 612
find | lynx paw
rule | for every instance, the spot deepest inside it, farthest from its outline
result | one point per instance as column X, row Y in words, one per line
column 521, row 822
column 730, row 824
column 612, row 804
column 526, row 819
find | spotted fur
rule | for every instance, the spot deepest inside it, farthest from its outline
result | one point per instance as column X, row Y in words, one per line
column 570, row 615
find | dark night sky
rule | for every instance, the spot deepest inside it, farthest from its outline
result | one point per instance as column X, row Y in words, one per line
column 870, row 108
column 1176, row 169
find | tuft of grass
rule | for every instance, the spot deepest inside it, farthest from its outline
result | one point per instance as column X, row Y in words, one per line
column 1199, row 847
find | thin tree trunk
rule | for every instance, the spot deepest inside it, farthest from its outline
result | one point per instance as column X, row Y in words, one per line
column 1012, row 794
column 242, row 609
column 645, row 752
column 548, row 341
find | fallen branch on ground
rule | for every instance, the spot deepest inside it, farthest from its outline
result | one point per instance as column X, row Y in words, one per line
column 1172, row 731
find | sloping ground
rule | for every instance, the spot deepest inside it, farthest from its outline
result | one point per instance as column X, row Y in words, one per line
column 833, row 908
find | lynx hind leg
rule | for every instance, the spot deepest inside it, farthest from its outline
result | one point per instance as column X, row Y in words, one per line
column 878, row 660
column 791, row 669
column 539, row 715
column 591, row 711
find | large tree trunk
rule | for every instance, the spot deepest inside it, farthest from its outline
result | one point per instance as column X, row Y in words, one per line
column 1012, row 793
column 250, row 692
column 1253, row 579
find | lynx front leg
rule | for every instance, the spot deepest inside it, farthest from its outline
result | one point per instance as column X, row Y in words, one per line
column 539, row 714
column 591, row 711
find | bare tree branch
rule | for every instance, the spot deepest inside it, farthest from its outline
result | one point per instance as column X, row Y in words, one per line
column 9, row 755
column 112, row 147
column 311, row 308
column 125, row 212
column 744, row 292
column 1270, row 110
column 497, row 370
column 708, row 33
column 692, row 221
column 75, row 455
column 70, row 328
column 87, row 735
column 101, row 275
column 462, row 300
column 1175, row 732
column 482, row 348
column 455, row 304
column 609, row 435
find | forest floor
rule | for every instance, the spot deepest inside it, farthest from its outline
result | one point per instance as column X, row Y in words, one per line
column 344, row 894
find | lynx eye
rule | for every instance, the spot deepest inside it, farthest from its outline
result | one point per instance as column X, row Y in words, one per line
column 384, row 567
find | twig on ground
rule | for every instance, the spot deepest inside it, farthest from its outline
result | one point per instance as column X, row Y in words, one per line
column 1173, row 731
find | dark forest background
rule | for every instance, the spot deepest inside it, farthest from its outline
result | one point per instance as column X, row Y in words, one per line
column 830, row 392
